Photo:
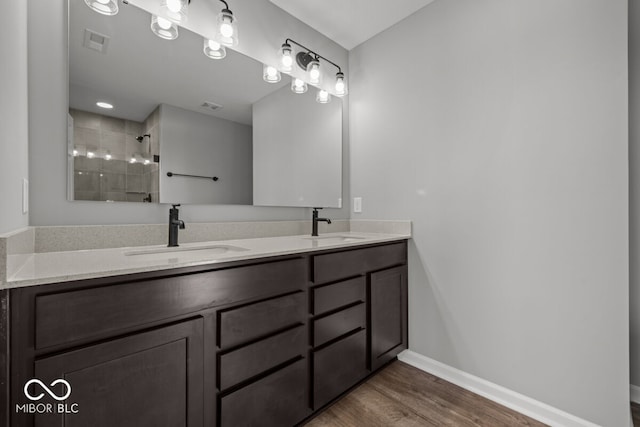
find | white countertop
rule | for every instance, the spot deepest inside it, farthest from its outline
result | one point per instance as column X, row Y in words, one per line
column 55, row 267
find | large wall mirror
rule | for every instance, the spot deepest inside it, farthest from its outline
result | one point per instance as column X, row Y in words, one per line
column 185, row 128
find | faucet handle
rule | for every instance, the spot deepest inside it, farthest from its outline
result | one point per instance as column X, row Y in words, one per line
column 176, row 206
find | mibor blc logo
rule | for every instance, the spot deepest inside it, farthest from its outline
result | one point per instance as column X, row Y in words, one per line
column 47, row 408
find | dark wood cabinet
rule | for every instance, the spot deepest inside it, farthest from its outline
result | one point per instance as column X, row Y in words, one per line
column 152, row 378
column 388, row 307
column 248, row 343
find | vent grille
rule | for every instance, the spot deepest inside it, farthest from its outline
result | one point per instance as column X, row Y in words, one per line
column 211, row 106
column 95, row 41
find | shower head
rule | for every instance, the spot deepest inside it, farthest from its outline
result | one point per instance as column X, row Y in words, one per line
column 141, row 137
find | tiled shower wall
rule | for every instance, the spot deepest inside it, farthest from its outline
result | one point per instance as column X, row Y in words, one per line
column 116, row 178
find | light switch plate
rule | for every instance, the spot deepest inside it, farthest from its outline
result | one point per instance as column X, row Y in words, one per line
column 357, row 204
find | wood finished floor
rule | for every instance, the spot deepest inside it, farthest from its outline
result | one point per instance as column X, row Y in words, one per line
column 635, row 410
column 402, row 395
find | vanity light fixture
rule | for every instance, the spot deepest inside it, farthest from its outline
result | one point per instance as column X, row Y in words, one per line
column 213, row 49
column 298, row 86
column 309, row 61
column 104, row 105
column 323, row 97
column 164, row 28
column 105, row 7
column 270, row 74
column 227, row 31
column 176, row 10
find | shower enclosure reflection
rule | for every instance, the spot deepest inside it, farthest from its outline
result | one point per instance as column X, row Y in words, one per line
column 113, row 159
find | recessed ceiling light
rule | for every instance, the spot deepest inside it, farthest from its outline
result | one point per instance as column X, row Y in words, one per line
column 106, row 105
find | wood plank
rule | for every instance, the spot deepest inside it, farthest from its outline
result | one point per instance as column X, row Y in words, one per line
column 367, row 406
column 403, row 389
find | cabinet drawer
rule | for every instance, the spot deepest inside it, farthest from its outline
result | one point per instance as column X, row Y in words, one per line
column 338, row 367
column 251, row 360
column 78, row 315
column 337, row 324
column 334, row 296
column 252, row 321
column 341, row 265
column 279, row 399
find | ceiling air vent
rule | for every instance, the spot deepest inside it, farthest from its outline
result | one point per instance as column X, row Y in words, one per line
column 95, row 41
column 211, row 106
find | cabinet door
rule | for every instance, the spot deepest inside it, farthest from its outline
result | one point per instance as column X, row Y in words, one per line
column 149, row 379
column 388, row 315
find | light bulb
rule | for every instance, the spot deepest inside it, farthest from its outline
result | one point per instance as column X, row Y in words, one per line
column 213, row 49
column 298, row 86
column 341, row 85
column 75, row 153
column 107, row 156
column 227, row 32
column 323, row 97
column 163, row 23
column 174, row 5
column 147, row 161
column 90, row 154
column 133, row 160
column 164, row 28
column 286, row 58
column 270, row 74
column 314, row 72
column 104, row 105
column 104, row 7
column 226, row 29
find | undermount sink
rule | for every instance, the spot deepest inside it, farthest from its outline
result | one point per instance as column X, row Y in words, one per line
column 334, row 239
column 211, row 249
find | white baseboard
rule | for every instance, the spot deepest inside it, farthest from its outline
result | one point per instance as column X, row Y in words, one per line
column 518, row 402
column 635, row 393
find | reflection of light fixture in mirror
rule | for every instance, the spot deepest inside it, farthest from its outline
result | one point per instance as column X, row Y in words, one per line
column 104, row 105
column 108, row 156
column 286, row 58
column 164, row 28
column 90, row 154
column 133, row 160
column 341, row 84
column 270, row 74
column 75, row 152
column 176, row 10
column 213, row 49
column 227, row 31
column 323, row 97
column 105, row 7
column 298, row 86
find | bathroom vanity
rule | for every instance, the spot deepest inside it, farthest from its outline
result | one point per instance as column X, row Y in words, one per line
column 259, row 341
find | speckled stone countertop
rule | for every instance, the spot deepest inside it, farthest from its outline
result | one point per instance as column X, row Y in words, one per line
column 54, row 267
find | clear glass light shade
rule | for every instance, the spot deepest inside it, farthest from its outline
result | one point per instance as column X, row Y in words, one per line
column 227, row 32
column 214, row 50
column 175, row 10
column 298, row 86
column 341, row 85
column 164, row 28
column 270, row 74
column 313, row 72
column 105, row 7
column 286, row 58
column 323, row 97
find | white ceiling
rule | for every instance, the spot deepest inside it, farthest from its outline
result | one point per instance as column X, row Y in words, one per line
column 350, row 22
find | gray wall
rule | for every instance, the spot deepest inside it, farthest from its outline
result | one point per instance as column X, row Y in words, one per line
column 263, row 28
column 14, row 132
column 297, row 150
column 500, row 129
column 198, row 144
column 634, row 190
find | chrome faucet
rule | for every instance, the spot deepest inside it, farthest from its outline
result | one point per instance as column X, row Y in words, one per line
column 174, row 225
column 315, row 220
